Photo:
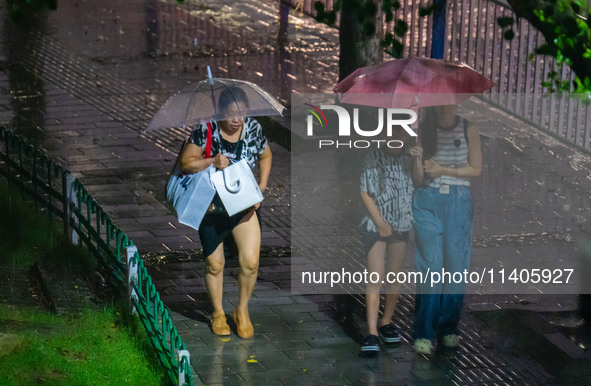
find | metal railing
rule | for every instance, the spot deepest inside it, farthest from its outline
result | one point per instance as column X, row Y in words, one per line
column 55, row 191
column 474, row 37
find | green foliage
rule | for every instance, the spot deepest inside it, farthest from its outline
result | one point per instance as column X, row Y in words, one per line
column 319, row 7
column 505, row 21
column 94, row 347
column 393, row 43
column 397, row 49
column 401, row 28
column 572, row 39
column 27, row 236
column 546, row 49
column 366, row 12
column 323, row 16
column 566, row 27
column 21, row 9
column 426, row 11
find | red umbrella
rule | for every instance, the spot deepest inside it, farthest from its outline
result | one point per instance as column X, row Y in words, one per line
column 412, row 82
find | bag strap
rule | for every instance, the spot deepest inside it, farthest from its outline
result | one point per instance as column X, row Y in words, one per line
column 208, row 141
column 207, row 153
column 240, row 142
column 239, row 145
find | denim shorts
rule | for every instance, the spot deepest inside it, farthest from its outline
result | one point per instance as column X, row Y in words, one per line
column 369, row 239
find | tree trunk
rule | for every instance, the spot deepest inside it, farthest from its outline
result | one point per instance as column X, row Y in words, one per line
column 357, row 49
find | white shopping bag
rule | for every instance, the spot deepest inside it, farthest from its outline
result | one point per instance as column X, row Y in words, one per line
column 237, row 187
column 190, row 195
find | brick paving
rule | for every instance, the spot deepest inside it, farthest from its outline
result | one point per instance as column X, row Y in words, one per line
column 15, row 288
column 96, row 80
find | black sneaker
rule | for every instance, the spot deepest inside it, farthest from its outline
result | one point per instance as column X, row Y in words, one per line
column 389, row 333
column 371, row 344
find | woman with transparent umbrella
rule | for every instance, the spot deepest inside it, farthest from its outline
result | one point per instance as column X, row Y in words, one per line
column 233, row 138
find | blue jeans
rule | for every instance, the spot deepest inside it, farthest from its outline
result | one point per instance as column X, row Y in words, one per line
column 443, row 235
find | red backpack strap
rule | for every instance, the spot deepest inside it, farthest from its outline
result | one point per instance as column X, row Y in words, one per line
column 208, row 140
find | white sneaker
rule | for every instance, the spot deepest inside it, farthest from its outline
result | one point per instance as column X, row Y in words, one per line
column 451, row 340
column 424, row 346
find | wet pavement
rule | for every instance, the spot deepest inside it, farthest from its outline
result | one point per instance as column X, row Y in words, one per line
column 83, row 84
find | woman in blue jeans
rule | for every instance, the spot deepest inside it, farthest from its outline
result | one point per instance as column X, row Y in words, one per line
column 442, row 210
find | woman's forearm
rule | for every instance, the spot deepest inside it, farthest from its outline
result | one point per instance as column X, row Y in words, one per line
column 372, row 208
column 463, row 172
column 195, row 164
column 418, row 174
column 265, row 169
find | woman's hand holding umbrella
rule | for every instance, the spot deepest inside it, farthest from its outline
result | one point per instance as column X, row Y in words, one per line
column 416, row 151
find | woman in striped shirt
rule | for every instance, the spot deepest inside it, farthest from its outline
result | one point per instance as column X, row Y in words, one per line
column 443, row 214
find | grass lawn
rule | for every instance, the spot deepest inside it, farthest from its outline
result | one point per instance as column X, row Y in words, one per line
column 91, row 348
column 102, row 346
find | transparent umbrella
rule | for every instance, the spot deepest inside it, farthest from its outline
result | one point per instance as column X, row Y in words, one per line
column 199, row 101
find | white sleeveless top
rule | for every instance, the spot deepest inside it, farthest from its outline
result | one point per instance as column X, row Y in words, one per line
column 452, row 151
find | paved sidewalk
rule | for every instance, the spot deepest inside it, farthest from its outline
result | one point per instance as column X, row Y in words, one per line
column 83, row 85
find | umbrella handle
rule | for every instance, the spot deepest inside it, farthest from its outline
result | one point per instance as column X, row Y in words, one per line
column 418, row 143
column 232, row 186
column 209, row 76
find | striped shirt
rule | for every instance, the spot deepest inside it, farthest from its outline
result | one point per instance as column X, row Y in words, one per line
column 387, row 179
column 452, row 152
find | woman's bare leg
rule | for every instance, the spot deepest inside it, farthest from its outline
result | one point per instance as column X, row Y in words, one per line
column 247, row 235
column 395, row 262
column 214, row 278
column 375, row 263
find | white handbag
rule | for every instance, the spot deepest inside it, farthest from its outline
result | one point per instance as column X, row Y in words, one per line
column 237, row 187
column 190, row 196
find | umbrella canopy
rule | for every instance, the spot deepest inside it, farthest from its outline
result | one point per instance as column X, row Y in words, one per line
column 201, row 101
column 407, row 83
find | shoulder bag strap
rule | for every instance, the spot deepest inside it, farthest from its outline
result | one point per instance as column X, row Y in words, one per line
column 208, row 141
column 239, row 144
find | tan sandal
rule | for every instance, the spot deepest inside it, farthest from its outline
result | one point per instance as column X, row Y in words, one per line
column 219, row 325
column 243, row 324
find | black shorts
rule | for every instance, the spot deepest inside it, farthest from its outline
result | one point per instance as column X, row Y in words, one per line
column 369, row 239
column 215, row 227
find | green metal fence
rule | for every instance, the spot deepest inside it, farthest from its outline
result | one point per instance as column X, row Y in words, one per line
column 56, row 192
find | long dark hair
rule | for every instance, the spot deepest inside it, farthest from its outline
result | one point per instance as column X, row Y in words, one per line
column 428, row 132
